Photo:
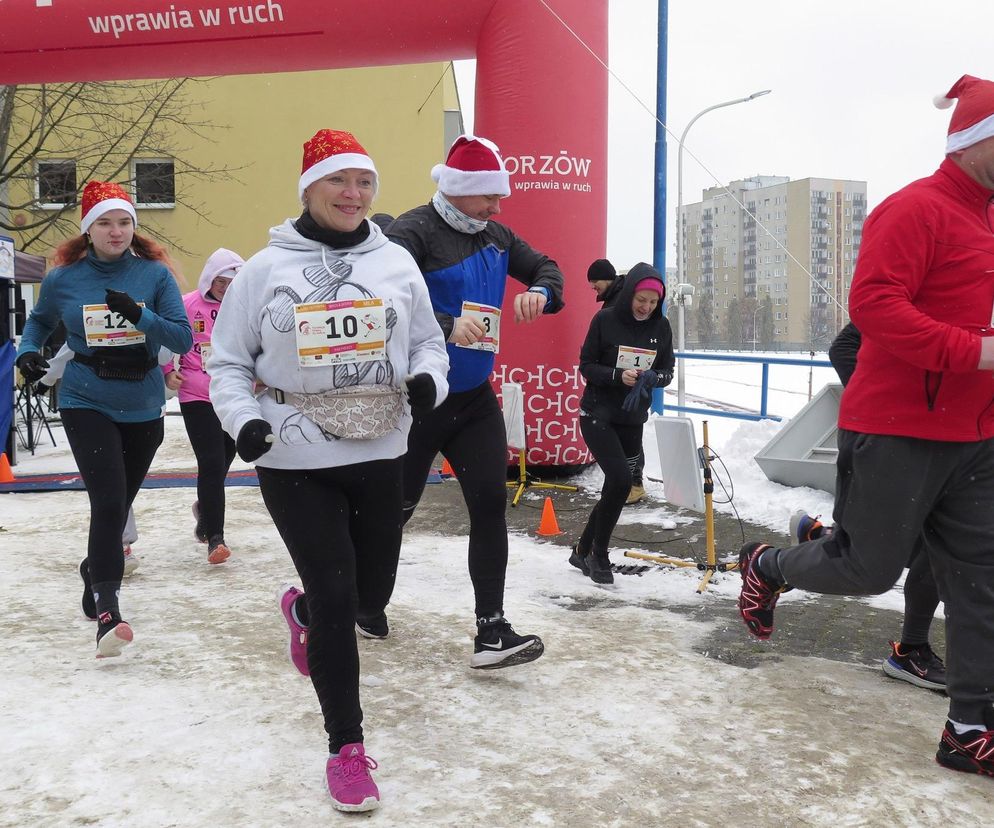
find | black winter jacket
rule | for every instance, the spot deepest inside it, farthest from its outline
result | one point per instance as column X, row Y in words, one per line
column 615, row 326
column 613, row 290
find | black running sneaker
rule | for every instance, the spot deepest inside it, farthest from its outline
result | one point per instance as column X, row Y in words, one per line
column 759, row 595
column 970, row 752
column 599, row 567
column 113, row 634
column 88, row 604
column 374, row 626
column 217, row 550
column 578, row 560
column 919, row 666
column 498, row 645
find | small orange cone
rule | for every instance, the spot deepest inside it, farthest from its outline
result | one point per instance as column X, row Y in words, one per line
column 6, row 475
column 549, row 525
column 447, row 470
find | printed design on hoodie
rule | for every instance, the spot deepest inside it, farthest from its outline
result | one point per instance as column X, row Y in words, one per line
column 331, row 283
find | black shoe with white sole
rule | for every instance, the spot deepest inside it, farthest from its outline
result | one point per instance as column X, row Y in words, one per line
column 374, row 626
column 498, row 645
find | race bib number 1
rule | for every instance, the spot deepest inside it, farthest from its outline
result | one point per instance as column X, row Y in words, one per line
column 332, row 333
column 105, row 329
column 489, row 317
column 638, row 358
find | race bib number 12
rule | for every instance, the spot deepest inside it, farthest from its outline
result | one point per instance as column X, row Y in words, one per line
column 105, row 329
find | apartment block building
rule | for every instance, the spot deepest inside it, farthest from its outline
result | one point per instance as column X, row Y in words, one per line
column 771, row 260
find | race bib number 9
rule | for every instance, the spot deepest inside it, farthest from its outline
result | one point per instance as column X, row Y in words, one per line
column 489, row 317
column 638, row 358
column 332, row 333
column 105, row 329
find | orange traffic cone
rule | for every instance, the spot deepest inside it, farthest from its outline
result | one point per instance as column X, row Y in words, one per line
column 447, row 470
column 549, row 525
column 6, row 475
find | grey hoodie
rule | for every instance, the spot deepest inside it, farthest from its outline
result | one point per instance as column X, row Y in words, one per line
column 254, row 338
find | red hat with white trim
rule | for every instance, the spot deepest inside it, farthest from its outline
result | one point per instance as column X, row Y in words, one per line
column 973, row 118
column 473, row 167
column 100, row 197
column 329, row 151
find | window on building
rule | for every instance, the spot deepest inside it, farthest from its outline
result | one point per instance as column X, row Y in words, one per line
column 155, row 183
column 56, row 183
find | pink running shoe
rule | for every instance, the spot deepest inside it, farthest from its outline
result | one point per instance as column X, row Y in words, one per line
column 349, row 782
column 113, row 635
column 287, row 595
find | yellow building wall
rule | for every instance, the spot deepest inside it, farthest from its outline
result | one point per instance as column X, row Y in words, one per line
column 256, row 128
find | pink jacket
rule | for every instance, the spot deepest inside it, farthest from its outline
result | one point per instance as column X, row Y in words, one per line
column 202, row 309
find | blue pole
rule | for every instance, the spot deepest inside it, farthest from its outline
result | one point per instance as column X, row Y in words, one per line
column 659, row 193
column 764, row 398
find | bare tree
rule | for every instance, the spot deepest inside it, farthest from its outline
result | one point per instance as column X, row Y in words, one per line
column 707, row 328
column 96, row 130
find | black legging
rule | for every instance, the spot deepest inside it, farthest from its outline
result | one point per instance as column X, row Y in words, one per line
column 113, row 459
column 468, row 429
column 615, row 448
column 921, row 598
column 214, row 450
column 342, row 527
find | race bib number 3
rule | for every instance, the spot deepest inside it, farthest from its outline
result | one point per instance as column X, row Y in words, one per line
column 105, row 329
column 638, row 358
column 489, row 317
column 332, row 333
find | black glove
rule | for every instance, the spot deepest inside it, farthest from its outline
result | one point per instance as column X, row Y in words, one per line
column 32, row 366
column 642, row 389
column 666, row 377
column 421, row 391
column 254, row 440
column 120, row 302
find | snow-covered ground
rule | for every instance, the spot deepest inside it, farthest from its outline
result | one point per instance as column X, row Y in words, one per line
column 622, row 723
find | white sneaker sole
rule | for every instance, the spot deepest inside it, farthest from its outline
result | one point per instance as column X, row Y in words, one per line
column 112, row 644
column 131, row 563
column 370, row 803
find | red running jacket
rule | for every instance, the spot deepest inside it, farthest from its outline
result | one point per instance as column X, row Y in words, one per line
column 923, row 297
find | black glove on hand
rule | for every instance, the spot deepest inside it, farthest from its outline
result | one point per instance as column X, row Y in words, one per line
column 642, row 389
column 421, row 391
column 666, row 379
column 120, row 302
column 254, row 440
column 32, row 366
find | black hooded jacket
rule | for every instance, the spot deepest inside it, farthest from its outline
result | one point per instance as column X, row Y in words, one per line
column 613, row 290
column 615, row 326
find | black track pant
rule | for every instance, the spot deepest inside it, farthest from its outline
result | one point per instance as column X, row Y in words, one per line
column 342, row 527
column 615, row 448
column 113, row 459
column 214, row 450
column 892, row 494
column 468, row 429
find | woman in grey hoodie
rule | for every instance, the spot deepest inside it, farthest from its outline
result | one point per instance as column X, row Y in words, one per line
column 335, row 321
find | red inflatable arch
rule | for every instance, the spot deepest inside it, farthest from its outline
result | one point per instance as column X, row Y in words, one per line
column 540, row 95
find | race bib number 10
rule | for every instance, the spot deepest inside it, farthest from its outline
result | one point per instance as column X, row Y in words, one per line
column 332, row 333
column 105, row 329
column 640, row 359
column 489, row 317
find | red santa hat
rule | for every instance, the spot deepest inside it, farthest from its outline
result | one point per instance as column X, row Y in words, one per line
column 472, row 167
column 329, row 151
column 100, row 197
column 973, row 118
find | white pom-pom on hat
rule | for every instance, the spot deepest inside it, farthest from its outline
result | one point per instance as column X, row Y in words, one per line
column 942, row 102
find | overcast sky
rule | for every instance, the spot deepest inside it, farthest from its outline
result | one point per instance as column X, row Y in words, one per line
column 852, row 81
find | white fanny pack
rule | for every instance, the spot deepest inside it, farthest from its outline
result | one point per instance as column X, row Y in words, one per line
column 359, row 412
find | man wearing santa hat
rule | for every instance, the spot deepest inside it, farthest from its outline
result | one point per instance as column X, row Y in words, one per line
column 916, row 424
column 466, row 257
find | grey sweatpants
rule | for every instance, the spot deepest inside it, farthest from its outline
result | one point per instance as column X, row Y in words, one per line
column 891, row 494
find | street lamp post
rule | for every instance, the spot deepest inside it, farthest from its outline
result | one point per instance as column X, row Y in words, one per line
column 680, row 270
column 755, row 333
